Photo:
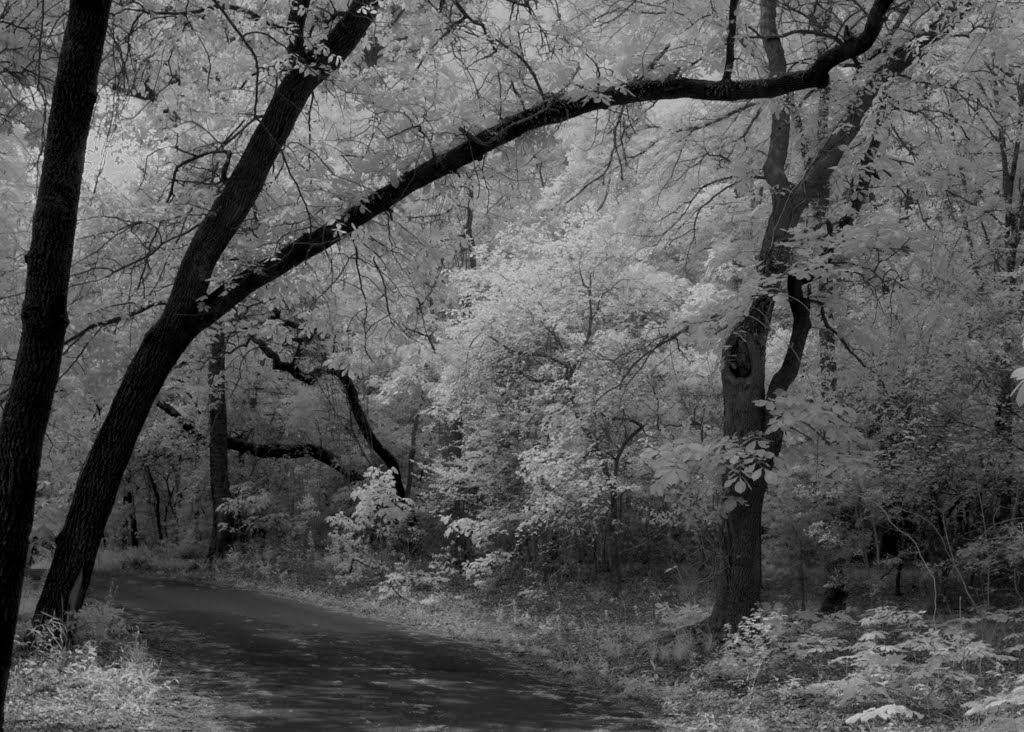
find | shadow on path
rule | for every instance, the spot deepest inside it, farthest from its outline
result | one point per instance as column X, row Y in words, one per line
column 282, row 664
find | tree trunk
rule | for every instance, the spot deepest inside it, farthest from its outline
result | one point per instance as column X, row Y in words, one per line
column 738, row 587
column 220, row 480
column 155, row 491
column 79, row 540
column 182, row 320
column 44, row 311
column 366, row 430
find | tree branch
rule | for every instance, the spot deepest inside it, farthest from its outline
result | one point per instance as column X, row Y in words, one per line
column 730, row 42
column 265, row 450
column 72, row 339
column 351, row 396
column 279, row 364
column 551, row 110
column 799, row 305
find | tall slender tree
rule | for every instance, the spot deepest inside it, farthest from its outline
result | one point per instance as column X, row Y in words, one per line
column 44, row 317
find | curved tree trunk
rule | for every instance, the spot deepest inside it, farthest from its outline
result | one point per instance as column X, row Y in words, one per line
column 182, row 320
column 366, row 430
column 96, row 491
column 44, row 311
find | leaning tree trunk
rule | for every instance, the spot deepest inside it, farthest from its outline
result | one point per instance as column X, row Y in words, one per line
column 182, row 319
column 220, row 480
column 78, row 542
column 44, row 311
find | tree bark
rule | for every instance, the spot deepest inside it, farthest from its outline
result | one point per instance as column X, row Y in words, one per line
column 44, row 310
column 220, row 480
column 191, row 306
column 366, row 429
column 44, row 315
column 155, row 492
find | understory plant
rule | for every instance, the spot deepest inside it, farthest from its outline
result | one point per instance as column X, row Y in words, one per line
column 94, row 673
column 902, row 666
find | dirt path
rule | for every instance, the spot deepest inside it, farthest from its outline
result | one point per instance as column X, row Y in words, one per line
column 281, row 664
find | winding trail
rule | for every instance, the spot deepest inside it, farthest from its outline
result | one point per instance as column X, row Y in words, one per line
column 282, row 664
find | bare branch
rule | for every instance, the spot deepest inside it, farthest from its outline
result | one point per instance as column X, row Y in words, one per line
column 266, row 450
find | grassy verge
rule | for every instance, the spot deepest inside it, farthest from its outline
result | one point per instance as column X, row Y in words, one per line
column 105, row 680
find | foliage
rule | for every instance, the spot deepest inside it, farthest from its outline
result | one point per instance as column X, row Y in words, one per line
column 378, row 519
column 95, row 674
column 909, row 665
column 567, row 322
column 1013, row 697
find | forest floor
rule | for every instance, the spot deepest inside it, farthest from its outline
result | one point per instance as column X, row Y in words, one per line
column 109, row 679
column 623, row 644
column 781, row 674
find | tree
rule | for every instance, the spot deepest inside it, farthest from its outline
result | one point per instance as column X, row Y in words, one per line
column 747, row 393
column 44, row 310
column 195, row 301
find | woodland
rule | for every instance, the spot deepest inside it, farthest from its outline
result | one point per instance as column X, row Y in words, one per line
column 720, row 300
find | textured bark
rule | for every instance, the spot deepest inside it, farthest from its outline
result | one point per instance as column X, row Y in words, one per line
column 183, row 318
column 44, row 318
column 217, row 437
column 155, row 492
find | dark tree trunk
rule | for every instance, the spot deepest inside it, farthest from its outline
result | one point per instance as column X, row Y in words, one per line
column 155, row 491
column 738, row 587
column 44, row 318
column 220, row 480
column 181, row 321
column 79, row 540
column 132, row 520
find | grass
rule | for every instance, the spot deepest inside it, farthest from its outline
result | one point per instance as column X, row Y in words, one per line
column 104, row 680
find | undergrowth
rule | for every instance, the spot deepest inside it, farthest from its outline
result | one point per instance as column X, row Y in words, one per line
column 94, row 673
column 882, row 668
